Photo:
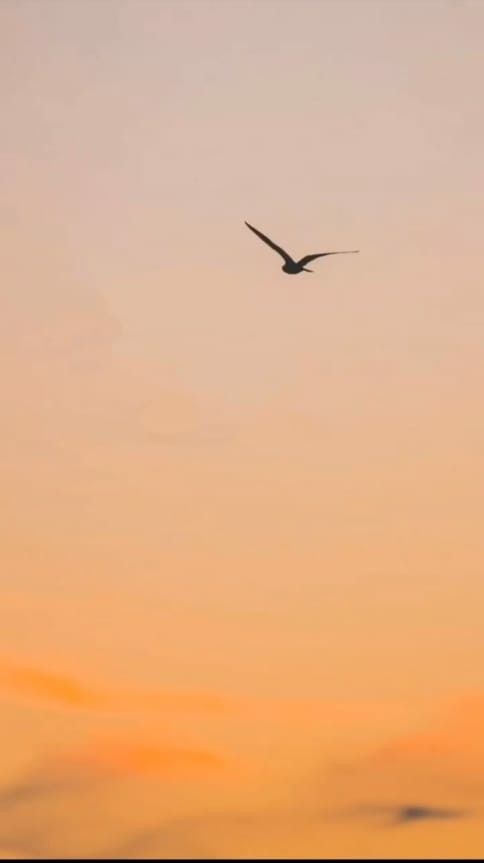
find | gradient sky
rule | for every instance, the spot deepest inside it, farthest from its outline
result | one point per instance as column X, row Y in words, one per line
column 241, row 544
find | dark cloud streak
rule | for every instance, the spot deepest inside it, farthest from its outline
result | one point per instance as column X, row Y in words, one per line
column 411, row 813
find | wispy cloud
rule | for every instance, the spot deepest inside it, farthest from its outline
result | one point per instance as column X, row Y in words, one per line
column 405, row 814
column 32, row 683
column 107, row 759
column 198, row 835
column 409, row 814
column 44, row 782
column 35, row 683
column 177, row 838
column 24, row 822
column 453, row 741
column 19, row 680
column 437, row 769
column 31, row 808
column 135, row 758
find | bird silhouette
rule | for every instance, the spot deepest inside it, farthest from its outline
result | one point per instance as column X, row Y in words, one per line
column 290, row 265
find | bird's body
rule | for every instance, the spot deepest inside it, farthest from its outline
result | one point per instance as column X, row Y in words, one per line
column 291, row 266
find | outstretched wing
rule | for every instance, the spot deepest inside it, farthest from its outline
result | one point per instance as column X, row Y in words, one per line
column 269, row 242
column 308, row 258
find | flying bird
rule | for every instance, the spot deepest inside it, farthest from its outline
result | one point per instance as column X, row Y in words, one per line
column 290, row 265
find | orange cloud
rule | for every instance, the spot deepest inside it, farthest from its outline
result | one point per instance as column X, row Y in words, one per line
column 458, row 731
column 66, row 691
column 455, row 741
column 140, row 759
column 34, row 683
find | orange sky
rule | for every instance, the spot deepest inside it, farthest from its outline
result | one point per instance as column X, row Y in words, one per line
column 241, row 544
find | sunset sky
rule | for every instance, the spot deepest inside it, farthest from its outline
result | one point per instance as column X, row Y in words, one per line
column 242, row 548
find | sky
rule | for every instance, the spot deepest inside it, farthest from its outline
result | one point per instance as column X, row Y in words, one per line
column 241, row 537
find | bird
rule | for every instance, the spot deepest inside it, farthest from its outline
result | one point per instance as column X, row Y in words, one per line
column 291, row 266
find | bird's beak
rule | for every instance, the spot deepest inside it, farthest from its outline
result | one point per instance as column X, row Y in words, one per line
column 307, row 271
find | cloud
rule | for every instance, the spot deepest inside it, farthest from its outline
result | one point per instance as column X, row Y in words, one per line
column 408, row 814
column 452, row 742
column 108, row 759
column 436, row 769
column 31, row 811
column 401, row 815
column 173, row 839
column 24, row 807
column 129, row 758
column 447, row 751
column 198, row 836
column 40, row 784
column 67, row 691
column 35, row 683
column 36, row 812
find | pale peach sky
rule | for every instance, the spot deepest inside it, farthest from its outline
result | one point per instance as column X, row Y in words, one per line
column 241, row 543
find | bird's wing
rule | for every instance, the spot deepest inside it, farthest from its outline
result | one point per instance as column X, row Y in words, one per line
column 270, row 243
column 308, row 258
